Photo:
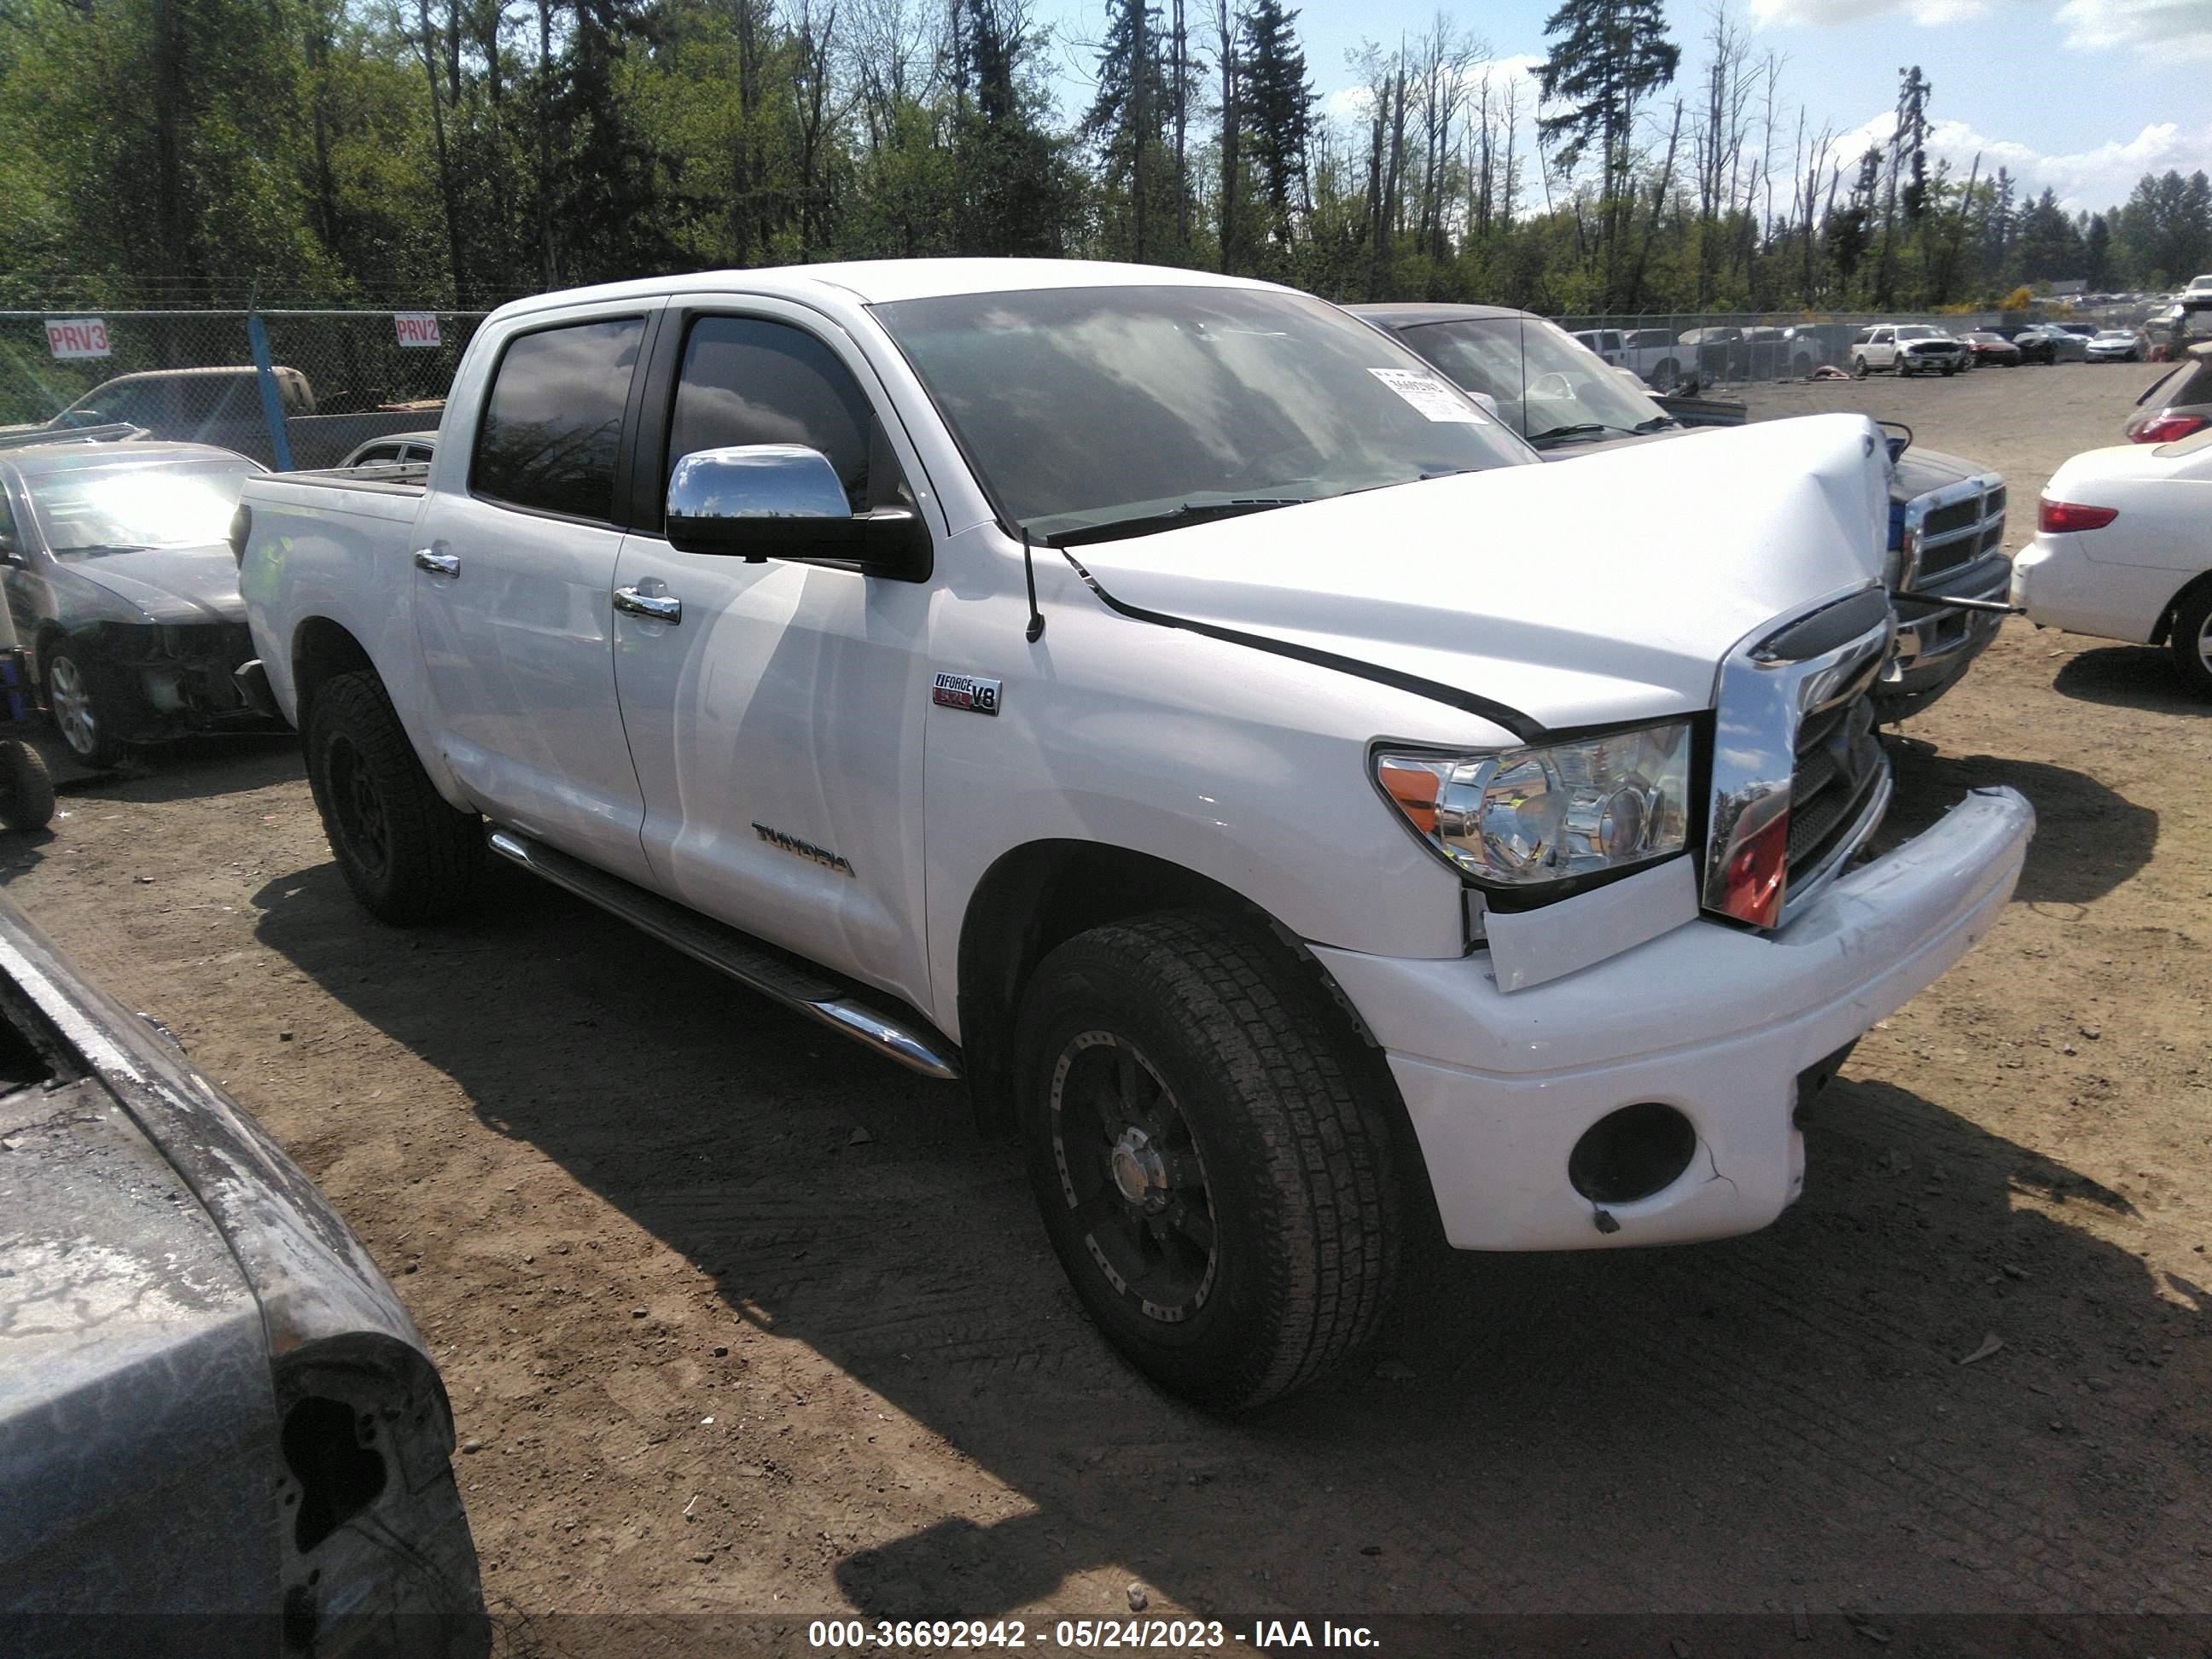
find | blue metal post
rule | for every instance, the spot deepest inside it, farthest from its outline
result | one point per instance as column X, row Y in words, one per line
column 272, row 400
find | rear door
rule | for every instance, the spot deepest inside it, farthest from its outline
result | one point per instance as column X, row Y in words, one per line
column 513, row 568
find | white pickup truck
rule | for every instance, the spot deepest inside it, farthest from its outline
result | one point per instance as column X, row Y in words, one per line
column 1303, row 819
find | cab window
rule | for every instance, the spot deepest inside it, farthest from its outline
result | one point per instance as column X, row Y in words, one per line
column 748, row 380
column 553, row 421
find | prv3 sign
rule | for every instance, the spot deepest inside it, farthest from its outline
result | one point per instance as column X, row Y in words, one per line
column 77, row 336
column 415, row 328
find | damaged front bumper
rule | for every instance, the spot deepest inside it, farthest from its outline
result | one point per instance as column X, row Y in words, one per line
column 1714, row 1024
column 182, row 676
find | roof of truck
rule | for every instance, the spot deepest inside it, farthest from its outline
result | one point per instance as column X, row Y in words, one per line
column 883, row 282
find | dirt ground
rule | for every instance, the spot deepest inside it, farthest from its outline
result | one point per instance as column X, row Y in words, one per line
column 741, row 1321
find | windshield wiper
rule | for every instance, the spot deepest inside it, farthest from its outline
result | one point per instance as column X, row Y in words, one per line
column 1190, row 512
column 1588, row 429
column 109, row 547
column 1656, row 423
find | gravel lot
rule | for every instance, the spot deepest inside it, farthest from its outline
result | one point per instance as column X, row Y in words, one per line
column 741, row 1321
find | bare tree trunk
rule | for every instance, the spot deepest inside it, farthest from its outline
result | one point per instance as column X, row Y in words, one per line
column 1225, row 25
column 445, row 192
column 547, row 256
column 1139, row 76
column 1181, row 132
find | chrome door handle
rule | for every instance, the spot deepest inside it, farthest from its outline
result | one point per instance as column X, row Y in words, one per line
column 654, row 607
column 438, row 564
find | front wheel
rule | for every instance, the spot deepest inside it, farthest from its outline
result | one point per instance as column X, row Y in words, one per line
column 1666, row 376
column 86, row 704
column 1949, row 369
column 2191, row 640
column 408, row 856
column 1214, row 1166
column 1858, row 369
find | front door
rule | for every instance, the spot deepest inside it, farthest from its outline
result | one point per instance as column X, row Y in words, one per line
column 777, row 726
column 513, row 568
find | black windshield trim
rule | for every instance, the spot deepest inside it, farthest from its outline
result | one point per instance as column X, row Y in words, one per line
column 1524, row 727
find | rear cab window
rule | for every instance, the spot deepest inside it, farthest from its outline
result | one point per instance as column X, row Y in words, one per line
column 551, row 427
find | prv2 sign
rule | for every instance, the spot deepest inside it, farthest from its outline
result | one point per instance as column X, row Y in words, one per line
column 415, row 328
column 77, row 336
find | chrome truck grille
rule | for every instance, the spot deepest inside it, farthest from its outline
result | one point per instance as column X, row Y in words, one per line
column 1800, row 780
column 1952, row 527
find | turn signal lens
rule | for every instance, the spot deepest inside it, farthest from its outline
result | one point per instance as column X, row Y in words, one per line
column 2166, row 428
column 2055, row 516
column 1752, row 884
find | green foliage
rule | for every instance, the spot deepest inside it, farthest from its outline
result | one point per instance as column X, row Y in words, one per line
column 430, row 152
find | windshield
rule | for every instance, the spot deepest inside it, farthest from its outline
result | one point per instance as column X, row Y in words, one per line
column 1547, row 387
column 1083, row 408
column 1917, row 333
column 124, row 508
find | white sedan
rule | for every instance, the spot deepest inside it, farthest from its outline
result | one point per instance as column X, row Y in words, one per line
column 2115, row 345
column 2123, row 551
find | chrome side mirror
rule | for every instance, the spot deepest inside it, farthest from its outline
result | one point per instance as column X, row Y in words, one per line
column 786, row 501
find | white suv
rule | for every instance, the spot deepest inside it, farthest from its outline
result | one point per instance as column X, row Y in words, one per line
column 1908, row 349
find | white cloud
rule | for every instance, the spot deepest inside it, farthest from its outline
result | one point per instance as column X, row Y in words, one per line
column 1352, row 104
column 2090, row 180
column 1821, row 14
column 2169, row 27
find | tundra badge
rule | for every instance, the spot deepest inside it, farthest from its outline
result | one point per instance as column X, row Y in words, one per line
column 964, row 691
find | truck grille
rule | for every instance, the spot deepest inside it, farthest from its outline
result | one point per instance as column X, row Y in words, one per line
column 1838, row 773
column 1953, row 527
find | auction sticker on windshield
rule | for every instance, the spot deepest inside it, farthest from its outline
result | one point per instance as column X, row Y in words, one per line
column 1435, row 399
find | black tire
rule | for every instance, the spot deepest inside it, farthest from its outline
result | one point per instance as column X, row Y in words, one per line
column 1666, row 376
column 1801, row 366
column 2191, row 639
column 87, row 702
column 1188, row 1056
column 408, row 856
column 27, row 788
column 1949, row 369
column 1859, row 370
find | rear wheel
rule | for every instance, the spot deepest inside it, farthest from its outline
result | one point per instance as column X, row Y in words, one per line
column 2192, row 640
column 1211, row 1160
column 408, row 856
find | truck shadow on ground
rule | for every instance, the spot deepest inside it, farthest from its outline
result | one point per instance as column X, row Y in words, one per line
column 1779, row 1420
column 2089, row 838
column 2143, row 677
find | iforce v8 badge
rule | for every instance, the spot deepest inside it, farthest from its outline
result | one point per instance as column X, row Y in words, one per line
column 965, row 691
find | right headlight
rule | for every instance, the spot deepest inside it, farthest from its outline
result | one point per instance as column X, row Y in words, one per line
column 1525, row 817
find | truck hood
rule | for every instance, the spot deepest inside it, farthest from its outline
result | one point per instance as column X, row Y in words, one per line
column 1573, row 595
column 1919, row 471
column 170, row 584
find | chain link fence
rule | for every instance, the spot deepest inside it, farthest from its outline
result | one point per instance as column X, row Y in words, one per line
column 340, row 378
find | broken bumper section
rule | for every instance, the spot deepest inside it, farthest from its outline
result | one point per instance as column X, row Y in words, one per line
column 1689, row 1049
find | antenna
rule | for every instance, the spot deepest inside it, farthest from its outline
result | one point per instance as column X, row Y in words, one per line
column 1035, row 630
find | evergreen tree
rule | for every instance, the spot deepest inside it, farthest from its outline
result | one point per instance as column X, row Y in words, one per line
column 1607, row 55
column 1126, row 122
column 1278, row 105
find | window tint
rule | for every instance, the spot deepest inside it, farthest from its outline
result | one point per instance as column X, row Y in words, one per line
column 746, row 380
column 554, row 419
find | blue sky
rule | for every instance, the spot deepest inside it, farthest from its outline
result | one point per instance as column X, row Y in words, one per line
column 2083, row 95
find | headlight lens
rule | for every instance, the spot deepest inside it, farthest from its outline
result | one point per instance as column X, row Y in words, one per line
column 1522, row 818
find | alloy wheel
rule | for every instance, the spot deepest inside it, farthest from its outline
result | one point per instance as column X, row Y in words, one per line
column 358, row 806
column 1131, row 1172
column 71, row 697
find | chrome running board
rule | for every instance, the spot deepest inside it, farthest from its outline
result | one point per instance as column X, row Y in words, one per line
column 756, row 966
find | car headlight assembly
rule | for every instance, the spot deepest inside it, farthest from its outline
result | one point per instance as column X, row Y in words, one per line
column 1519, row 819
